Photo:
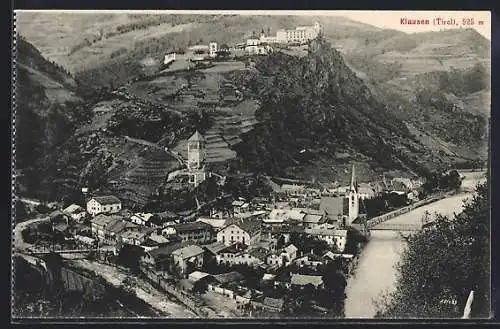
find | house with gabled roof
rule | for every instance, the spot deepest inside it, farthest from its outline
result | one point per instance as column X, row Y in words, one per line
column 283, row 216
column 114, row 230
column 216, row 223
column 140, row 218
column 243, row 230
column 215, row 248
column 108, row 204
column 189, row 255
column 314, row 221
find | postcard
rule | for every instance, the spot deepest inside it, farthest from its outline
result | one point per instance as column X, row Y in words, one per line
column 251, row 165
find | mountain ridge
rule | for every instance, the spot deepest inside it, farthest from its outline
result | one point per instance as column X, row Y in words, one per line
column 338, row 99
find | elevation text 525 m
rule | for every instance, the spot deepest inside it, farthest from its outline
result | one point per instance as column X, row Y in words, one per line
column 442, row 21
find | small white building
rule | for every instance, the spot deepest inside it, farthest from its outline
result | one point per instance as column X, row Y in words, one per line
column 169, row 58
column 104, row 204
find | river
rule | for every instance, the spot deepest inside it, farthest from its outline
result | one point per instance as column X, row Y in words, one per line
column 375, row 272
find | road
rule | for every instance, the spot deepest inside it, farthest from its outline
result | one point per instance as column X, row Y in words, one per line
column 18, row 242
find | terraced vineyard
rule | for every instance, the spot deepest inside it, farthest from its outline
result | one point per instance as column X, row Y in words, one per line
column 143, row 180
column 225, row 132
column 205, row 90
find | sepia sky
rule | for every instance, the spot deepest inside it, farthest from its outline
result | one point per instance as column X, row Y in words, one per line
column 388, row 19
column 391, row 19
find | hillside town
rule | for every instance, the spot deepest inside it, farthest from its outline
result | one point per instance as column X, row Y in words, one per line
column 257, row 252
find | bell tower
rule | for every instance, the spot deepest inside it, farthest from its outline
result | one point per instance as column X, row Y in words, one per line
column 196, row 152
column 196, row 159
column 353, row 197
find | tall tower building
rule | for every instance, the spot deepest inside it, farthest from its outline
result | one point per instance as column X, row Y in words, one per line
column 353, row 197
column 196, row 158
column 196, row 151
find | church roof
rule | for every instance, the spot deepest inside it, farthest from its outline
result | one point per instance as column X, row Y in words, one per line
column 196, row 137
column 334, row 206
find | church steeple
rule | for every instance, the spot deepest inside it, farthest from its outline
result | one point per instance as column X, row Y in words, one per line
column 353, row 198
column 354, row 183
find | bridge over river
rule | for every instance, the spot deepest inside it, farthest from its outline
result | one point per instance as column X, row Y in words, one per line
column 375, row 272
column 397, row 227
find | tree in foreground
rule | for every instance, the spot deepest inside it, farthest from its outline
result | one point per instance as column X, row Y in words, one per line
column 441, row 265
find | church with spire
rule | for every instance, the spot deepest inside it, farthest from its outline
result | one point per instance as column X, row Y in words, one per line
column 353, row 196
column 342, row 209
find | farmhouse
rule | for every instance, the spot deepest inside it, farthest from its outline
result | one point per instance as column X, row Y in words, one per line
column 104, row 204
column 135, row 238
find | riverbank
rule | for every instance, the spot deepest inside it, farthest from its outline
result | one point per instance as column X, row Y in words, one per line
column 375, row 271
